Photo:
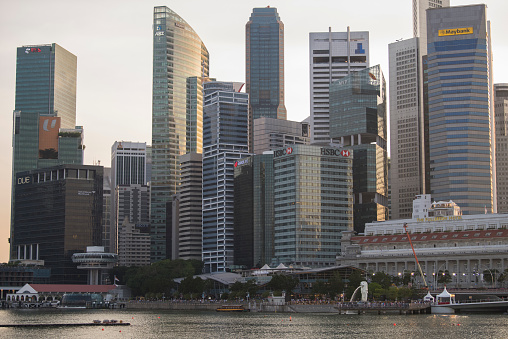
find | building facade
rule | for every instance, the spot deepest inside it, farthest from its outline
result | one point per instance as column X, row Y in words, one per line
column 186, row 227
column 358, row 121
column 264, row 36
column 58, row 212
column 313, row 204
column 464, row 248
column 271, row 134
column 407, row 153
column 178, row 54
column 225, row 133
column 460, row 116
column 133, row 245
column 332, row 55
column 501, row 121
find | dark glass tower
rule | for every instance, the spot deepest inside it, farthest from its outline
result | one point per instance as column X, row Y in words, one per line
column 58, row 212
column 178, row 54
column 265, row 66
column 358, row 119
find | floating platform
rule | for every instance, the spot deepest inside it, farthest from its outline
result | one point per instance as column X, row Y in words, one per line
column 65, row 325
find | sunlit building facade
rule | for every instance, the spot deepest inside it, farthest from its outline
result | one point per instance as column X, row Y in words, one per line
column 178, row 54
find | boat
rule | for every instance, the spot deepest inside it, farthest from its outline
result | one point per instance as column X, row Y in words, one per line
column 232, row 308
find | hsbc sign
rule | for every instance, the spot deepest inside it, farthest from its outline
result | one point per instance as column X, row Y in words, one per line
column 336, row 152
column 281, row 152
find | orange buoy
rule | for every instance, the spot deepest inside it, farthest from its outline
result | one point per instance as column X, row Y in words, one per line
column 394, row 324
column 289, row 318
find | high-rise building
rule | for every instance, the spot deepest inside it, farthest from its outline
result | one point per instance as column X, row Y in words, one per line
column 58, row 212
column 264, row 34
column 420, row 20
column 225, row 140
column 128, row 169
column 460, row 114
column 332, row 55
column 254, row 210
column 178, row 54
column 313, row 204
column 108, row 191
column 407, row 167
column 44, row 131
column 501, row 120
column 271, row 134
column 358, row 120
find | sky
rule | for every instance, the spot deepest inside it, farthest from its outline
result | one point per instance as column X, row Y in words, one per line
column 113, row 43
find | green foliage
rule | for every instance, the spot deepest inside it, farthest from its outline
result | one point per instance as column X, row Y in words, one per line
column 382, row 279
column 376, row 291
column 444, row 278
column 192, row 285
column 283, row 282
column 355, row 279
column 69, row 134
column 335, row 285
column 158, row 277
column 392, row 293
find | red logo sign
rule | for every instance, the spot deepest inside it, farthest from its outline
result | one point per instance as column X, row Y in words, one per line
column 345, row 153
column 236, row 163
column 289, row 150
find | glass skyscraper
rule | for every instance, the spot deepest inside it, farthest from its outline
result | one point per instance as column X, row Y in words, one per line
column 225, row 126
column 178, row 54
column 264, row 33
column 313, row 203
column 460, row 108
column 358, row 120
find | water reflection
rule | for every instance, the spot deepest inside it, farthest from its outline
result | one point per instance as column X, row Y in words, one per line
column 161, row 324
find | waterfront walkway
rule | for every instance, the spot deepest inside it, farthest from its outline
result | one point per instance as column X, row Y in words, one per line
column 383, row 307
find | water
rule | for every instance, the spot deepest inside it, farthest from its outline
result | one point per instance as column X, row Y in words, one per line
column 195, row 325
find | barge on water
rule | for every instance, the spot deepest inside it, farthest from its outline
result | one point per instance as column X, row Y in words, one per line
column 232, row 308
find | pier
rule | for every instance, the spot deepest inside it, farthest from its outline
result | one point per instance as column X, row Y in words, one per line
column 383, row 307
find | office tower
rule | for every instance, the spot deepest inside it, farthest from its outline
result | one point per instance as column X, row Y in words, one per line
column 501, row 120
column 189, row 240
column 420, row 19
column 254, row 208
column 225, row 140
column 178, row 53
column 264, row 66
column 128, row 163
column 58, row 212
column 108, row 191
column 133, row 245
column 459, row 101
column 313, row 203
column 358, row 120
column 44, row 118
column 45, row 106
column 332, row 56
column 128, row 168
column 407, row 169
column 270, row 134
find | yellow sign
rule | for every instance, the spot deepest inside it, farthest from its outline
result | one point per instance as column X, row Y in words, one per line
column 456, row 31
column 448, row 218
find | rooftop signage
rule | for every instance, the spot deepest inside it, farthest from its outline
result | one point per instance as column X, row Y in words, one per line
column 281, row 152
column 337, row 152
column 241, row 162
column 455, row 31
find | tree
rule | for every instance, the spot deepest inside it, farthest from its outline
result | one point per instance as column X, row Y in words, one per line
column 382, row 279
column 444, row 277
column 335, row 285
column 283, row 282
column 376, row 291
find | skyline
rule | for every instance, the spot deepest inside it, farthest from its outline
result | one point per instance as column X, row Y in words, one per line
column 114, row 53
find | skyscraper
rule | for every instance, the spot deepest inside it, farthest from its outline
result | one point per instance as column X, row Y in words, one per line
column 45, row 109
column 44, row 131
column 460, row 115
column 332, row 55
column 271, row 134
column 58, row 212
column 225, row 126
column 407, row 168
column 358, row 120
column 178, row 54
column 501, row 119
column 264, row 34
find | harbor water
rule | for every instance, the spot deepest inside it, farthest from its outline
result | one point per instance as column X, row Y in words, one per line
column 206, row 324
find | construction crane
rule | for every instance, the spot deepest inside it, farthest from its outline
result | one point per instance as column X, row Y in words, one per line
column 414, row 253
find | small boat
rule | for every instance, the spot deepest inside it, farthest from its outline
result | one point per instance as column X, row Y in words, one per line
column 232, row 308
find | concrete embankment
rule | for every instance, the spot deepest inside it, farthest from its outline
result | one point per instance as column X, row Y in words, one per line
column 253, row 307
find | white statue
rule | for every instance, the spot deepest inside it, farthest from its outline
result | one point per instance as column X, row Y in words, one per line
column 365, row 290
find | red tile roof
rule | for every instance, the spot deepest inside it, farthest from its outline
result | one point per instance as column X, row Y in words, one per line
column 436, row 236
column 55, row 288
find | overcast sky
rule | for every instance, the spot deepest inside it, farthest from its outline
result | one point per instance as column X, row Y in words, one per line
column 112, row 40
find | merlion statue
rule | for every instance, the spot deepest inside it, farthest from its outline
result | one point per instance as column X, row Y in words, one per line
column 365, row 290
